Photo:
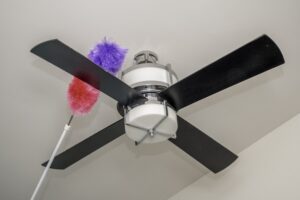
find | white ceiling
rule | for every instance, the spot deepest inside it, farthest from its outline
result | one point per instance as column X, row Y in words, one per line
column 187, row 34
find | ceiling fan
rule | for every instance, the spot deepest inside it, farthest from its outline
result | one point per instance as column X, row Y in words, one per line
column 149, row 95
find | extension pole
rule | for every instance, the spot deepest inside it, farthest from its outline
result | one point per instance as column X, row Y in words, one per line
column 42, row 178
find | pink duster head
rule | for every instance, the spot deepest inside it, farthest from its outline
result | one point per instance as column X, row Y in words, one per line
column 81, row 96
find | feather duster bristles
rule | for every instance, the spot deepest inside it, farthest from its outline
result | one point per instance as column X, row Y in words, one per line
column 109, row 55
column 81, row 96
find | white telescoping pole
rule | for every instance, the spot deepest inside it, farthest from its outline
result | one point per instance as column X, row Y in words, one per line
column 42, row 178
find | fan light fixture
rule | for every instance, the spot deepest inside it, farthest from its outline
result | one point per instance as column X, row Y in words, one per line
column 153, row 120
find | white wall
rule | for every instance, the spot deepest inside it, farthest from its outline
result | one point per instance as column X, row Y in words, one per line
column 269, row 169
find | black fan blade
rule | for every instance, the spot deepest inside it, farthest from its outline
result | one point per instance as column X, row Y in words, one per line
column 76, row 64
column 201, row 147
column 250, row 60
column 88, row 146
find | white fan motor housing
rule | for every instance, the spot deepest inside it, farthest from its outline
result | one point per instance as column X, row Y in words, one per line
column 155, row 120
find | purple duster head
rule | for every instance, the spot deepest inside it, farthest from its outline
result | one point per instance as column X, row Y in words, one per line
column 108, row 55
